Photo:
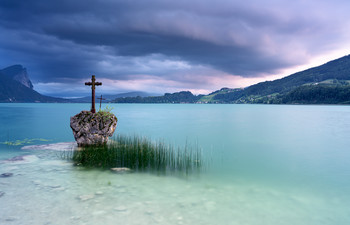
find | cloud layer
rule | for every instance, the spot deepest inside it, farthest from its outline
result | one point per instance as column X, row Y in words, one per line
column 167, row 45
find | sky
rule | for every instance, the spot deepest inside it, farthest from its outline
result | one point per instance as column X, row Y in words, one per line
column 160, row 46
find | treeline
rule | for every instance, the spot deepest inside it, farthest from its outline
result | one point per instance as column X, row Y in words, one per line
column 317, row 94
column 230, row 97
column 306, row 94
column 178, row 97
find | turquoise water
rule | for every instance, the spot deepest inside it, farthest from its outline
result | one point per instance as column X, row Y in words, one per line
column 269, row 164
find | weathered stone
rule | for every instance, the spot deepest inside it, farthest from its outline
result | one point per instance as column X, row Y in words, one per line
column 93, row 128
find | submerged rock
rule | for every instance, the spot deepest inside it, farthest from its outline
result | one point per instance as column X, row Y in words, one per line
column 120, row 169
column 62, row 146
column 86, row 197
column 21, row 159
column 2, row 193
column 16, row 158
column 6, row 175
column 121, row 209
column 93, row 128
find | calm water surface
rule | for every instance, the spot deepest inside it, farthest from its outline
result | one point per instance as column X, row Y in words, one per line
column 269, row 164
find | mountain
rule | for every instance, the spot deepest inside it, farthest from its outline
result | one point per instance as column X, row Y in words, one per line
column 178, row 97
column 325, row 84
column 110, row 98
column 210, row 98
column 333, row 75
column 18, row 73
column 15, row 86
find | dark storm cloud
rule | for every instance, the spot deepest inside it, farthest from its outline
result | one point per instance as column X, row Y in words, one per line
column 135, row 32
column 63, row 40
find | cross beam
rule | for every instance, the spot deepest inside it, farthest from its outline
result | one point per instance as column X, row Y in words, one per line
column 93, row 83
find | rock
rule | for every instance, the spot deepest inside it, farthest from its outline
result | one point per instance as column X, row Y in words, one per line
column 6, row 175
column 22, row 159
column 19, row 74
column 59, row 189
column 62, row 146
column 36, row 182
column 54, row 186
column 93, row 128
column 11, row 219
column 86, row 197
column 16, row 158
column 120, row 209
column 75, row 218
column 2, row 193
column 100, row 212
column 120, row 169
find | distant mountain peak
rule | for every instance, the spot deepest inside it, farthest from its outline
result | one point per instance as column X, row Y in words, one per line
column 15, row 86
column 19, row 74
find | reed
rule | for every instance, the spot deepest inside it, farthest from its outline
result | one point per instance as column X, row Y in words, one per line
column 139, row 154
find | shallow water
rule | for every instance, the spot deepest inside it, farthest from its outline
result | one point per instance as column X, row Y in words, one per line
column 268, row 165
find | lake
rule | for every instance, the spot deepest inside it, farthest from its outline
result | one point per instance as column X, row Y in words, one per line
column 268, row 164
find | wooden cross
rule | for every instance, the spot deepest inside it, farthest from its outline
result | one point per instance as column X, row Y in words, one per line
column 93, row 83
column 100, row 98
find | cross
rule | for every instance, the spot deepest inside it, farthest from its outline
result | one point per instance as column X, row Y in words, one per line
column 100, row 98
column 93, row 83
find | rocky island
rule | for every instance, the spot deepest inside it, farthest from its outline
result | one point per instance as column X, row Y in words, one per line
column 93, row 128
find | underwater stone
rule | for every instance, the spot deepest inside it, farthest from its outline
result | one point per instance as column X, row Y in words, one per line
column 86, row 197
column 75, row 218
column 62, row 146
column 120, row 169
column 93, row 128
column 22, row 159
column 6, row 175
column 16, row 158
column 2, row 193
column 120, row 209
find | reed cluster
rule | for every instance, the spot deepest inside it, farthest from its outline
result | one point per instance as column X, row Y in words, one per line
column 139, row 154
